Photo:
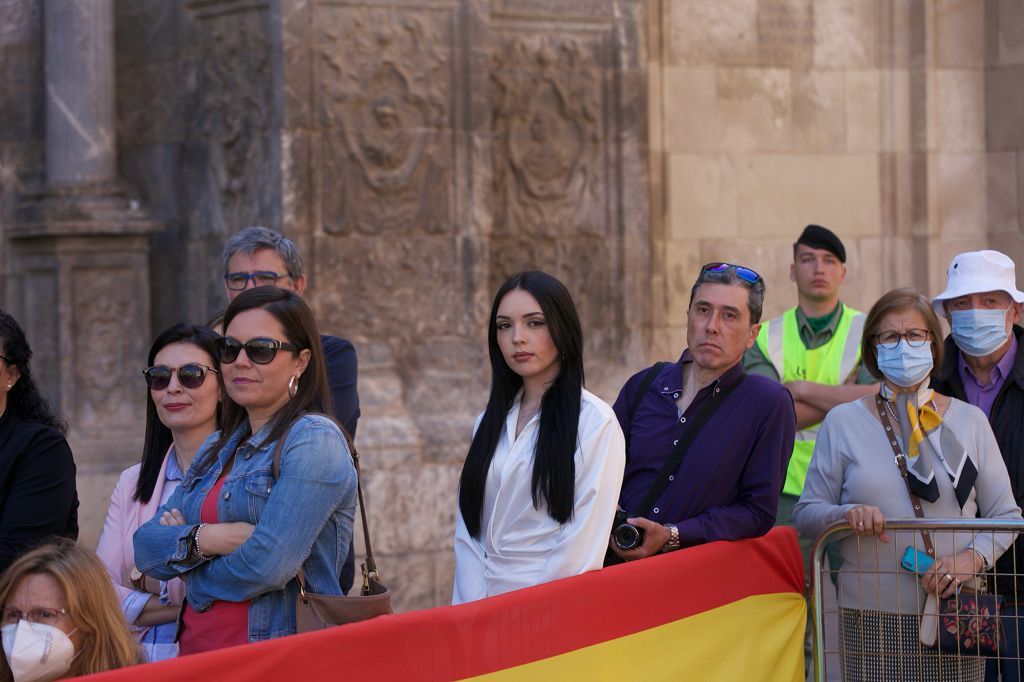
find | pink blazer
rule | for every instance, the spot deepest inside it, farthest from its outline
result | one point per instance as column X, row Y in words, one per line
column 124, row 516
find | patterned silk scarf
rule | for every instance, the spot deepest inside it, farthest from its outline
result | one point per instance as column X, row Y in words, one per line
column 922, row 428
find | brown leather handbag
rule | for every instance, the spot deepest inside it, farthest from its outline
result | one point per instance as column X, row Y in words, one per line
column 318, row 611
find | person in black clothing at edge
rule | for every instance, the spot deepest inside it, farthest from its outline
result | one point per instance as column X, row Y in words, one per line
column 259, row 256
column 38, row 497
column 984, row 366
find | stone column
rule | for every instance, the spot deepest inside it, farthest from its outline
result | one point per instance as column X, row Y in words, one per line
column 80, row 114
column 79, row 276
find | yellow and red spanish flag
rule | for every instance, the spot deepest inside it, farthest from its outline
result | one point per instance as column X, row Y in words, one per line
column 723, row 611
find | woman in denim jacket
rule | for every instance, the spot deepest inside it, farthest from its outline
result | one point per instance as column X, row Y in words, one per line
column 234, row 534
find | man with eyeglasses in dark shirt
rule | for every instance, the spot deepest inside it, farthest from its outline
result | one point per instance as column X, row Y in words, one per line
column 706, row 445
column 258, row 256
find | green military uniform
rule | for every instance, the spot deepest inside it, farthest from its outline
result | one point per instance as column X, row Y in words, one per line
column 793, row 347
column 825, row 350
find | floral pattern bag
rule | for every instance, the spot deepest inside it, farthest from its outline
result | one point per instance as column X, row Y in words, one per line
column 971, row 622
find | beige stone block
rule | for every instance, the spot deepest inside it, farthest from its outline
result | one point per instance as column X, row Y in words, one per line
column 690, row 117
column 1020, row 188
column 845, row 33
column 94, row 489
column 901, row 33
column 1010, row 33
column 819, row 111
column 702, row 33
column 682, row 265
column 956, row 111
column 780, row 193
column 1004, row 104
column 703, row 196
column 754, row 109
column 411, row 509
column 785, row 33
column 865, row 280
column 666, row 342
column 863, row 110
column 956, row 194
column 959, row 33
column 656, row 85
column 1001, row 197
column 897, row 124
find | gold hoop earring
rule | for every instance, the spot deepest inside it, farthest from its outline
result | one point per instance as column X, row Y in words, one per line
column 293, row 385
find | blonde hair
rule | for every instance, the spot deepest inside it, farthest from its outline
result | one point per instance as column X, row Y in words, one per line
column 105, row 641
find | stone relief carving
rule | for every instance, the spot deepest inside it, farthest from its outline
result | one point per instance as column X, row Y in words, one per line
column 104, row 312
column 548, row 132
column 386, row 82
column 234, row 118
column 19, row 18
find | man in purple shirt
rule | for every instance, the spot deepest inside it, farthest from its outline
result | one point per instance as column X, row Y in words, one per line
column 984, row 365
column 727, row 485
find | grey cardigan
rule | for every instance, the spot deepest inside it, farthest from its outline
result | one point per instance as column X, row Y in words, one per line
column 853, row 464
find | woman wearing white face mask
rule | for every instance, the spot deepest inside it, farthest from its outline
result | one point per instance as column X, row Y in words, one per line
column 953, row 466
column 60, row 617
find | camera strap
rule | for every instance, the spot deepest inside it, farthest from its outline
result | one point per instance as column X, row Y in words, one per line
column 707, row 408
column 645, row 385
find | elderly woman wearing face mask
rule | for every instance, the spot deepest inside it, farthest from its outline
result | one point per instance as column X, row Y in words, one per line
column 954, row 467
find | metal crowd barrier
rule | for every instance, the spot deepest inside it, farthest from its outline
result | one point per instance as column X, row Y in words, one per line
column 852, row 657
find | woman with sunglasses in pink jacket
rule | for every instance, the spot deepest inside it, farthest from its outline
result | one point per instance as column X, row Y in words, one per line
column 182, row 410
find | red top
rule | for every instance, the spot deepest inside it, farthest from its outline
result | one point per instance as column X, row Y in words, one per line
column 226, row 623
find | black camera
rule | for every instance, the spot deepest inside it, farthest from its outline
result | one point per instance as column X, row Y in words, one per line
column 625, row 535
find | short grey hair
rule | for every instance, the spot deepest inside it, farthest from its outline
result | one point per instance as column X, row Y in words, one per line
column 755, row 301
column 252, row 239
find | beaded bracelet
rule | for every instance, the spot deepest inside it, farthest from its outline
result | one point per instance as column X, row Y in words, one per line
column 195, row 544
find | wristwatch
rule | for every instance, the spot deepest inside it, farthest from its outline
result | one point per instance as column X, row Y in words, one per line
column 138, row 579
column 673, row 538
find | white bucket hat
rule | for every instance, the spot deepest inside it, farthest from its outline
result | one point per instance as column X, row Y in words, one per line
column 976, row 272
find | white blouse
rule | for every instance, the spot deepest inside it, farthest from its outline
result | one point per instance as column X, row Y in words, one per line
column 522, row 546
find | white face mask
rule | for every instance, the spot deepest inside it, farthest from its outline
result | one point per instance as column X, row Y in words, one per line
column 36, row 652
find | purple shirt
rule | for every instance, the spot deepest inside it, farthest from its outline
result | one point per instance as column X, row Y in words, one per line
column 984, row 396
column 727, row 486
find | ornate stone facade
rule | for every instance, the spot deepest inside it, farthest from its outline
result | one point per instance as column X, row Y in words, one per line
column 420, row 151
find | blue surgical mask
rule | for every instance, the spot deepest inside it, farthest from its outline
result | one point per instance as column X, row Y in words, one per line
column 979, row 332
column 905, row 365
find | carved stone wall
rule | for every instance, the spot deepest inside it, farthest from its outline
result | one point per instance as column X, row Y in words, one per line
column 419, row 151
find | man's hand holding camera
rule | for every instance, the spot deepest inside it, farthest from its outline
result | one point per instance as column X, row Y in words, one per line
column 652, row 539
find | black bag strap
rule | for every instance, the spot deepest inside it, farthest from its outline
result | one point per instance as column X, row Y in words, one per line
column 707, row 408
column 370, row 567
column 645, row 385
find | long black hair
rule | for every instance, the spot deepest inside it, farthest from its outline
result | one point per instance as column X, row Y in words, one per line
column 24, row 400
column 554, row 469
column 158, row 436
column 314, row 393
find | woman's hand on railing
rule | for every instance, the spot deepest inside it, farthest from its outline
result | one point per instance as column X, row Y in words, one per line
column 948, row 572
column 866, row 520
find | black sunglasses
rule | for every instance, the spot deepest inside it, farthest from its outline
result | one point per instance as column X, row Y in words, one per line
column 191, row 375
column 260, row 350
column 746, row 274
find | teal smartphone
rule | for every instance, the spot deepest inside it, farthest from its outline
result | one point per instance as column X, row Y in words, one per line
column 916, row 561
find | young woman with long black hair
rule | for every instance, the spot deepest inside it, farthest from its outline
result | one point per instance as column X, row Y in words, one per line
column 541, row 481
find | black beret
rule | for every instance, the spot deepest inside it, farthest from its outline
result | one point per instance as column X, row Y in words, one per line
column 818, row 237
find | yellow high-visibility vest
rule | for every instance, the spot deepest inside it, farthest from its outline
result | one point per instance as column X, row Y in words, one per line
column 832, row 363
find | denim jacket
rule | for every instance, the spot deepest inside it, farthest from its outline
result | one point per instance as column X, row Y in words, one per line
column 303, row 520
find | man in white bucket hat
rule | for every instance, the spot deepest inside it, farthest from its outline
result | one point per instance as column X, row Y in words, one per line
column 984, row 365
